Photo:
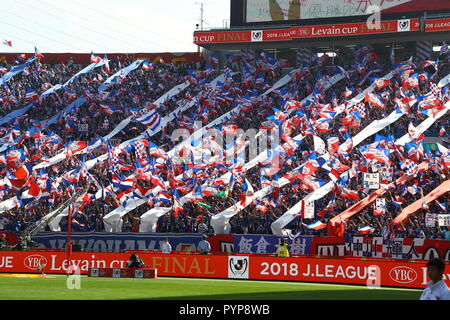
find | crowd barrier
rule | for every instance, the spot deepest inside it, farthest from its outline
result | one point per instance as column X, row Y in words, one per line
column 359, row 271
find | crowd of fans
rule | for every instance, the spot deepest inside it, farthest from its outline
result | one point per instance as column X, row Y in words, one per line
column 247, row 78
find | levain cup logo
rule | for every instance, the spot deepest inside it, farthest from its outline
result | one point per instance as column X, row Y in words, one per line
column 238, row 267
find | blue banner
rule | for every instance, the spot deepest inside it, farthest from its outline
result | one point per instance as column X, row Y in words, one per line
column 117, row 242
column 267, row 244
column 123, row 72
column 86, row 70
column 16, row 70
column 15, row 114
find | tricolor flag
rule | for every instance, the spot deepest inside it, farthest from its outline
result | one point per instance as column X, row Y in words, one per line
column 442, row 132
column 20, row 176
column 177, row 207
column 147, row 66
column 94, row 58
column 7, row 42
column 152, row 120
column 366, row 230
column 126, row 184
column 3, row 69
column 443, row 206
column 347, row 93
column 311, row 182
column 373, row 99
column 109, row 110
column 411, row 82
column 381, row 83
column 38, row 54
column 412, row 189
column 318, row 225
column 108, row 71
column 349, row 194
column 31, row 95
column 232, row 129
column 214, row 60
column 412, row 131
column 141, row 192
column 379, row 210
column 398, row 202
column 156, row 151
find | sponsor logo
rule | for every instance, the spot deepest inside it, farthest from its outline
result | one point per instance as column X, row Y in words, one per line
column 403, row 25
column 238, row 267
column 403, row 274
column 257, row 35
column 34, row 261
column 304, row 32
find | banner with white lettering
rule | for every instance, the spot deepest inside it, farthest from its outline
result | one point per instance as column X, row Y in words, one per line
column 430, row 220
column 113, row 242
column 380, row 204
column 444, row 220
column 372, row 180
column 267, row 244
column 308, row 209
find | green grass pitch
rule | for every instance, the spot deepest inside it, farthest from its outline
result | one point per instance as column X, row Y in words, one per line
column 55, row 288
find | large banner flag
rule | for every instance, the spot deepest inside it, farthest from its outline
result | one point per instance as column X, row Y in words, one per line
column 16, row 70
column 417, row 205
column 121, row 73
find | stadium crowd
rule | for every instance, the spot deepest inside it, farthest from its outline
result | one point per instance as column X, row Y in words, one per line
column 138, row 169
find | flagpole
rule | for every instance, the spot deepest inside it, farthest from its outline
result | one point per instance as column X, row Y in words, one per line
column 69, row 231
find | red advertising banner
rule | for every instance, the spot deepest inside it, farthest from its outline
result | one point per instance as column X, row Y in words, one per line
column 332, row 30
column 195, row 265
column 372, row 272
column 222, row 37
column 351, row 29
column 433, row 25
column 380, row 272
column 278, row 34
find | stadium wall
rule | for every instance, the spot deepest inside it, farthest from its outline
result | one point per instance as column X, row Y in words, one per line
column 85, row 58
column 356, row 246
column 324, row 270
